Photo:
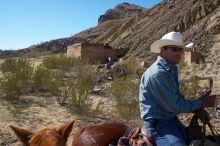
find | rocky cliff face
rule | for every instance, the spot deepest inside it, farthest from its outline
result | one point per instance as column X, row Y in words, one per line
column 121, row 11
column 196, row 19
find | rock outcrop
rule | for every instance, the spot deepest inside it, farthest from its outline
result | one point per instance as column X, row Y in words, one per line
column 121, row 11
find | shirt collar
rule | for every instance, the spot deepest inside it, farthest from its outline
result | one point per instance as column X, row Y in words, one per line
column 165, row 64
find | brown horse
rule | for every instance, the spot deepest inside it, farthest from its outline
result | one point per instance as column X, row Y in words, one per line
column 97, row 135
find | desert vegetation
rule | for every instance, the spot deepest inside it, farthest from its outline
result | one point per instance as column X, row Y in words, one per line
column 21, row 78
column 190, row 85
column 16, row 80
column 73, row 80
column 125, row 88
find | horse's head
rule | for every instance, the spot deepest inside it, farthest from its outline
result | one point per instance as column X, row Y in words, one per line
column 51, row 136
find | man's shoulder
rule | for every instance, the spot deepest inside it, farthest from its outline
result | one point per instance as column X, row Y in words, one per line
column 154, row 71
column 156, row 68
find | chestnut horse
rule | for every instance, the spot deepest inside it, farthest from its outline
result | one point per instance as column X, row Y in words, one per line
column 97, row 135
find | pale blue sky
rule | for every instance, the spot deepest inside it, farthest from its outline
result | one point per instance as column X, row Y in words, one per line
column 29, row 22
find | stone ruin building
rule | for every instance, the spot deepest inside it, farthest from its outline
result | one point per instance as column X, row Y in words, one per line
column 193, row 56
column 102, row 53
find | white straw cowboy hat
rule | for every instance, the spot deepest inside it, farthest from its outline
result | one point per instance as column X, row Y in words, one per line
column 170, row 39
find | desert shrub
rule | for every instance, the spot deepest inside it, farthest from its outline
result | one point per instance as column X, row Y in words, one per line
column 9, row 65
column 49, row 80
column 16, row 80
column 78, row 93
column 130, row 67
column 125, row 92
column 60, row 62
column 190, row 88
column 182, row 65
column 35, row 54
column 49, row 76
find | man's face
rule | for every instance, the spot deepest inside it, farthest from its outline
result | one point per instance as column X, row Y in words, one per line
column 172, row 54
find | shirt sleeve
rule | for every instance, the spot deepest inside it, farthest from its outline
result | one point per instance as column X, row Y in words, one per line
column 166, row 94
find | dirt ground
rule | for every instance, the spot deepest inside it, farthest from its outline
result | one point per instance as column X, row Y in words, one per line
column 38, row 112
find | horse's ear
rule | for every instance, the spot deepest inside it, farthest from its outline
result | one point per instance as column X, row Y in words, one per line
column 23, row 135
column 66, row 129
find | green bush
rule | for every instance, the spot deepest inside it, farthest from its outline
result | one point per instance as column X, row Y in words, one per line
column 49, row 80
column 16, row 80
column 125, row 91
column 78, row 93
column 130, row 67
column 190, row 88
column 49, row 76
column 35, row 54
column 9, row 65
column 60, row 62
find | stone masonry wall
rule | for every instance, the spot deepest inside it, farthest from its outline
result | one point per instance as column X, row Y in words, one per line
column 94, row 52
column 74, row 50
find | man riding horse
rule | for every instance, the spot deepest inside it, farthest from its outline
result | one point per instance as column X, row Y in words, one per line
column 160, row 99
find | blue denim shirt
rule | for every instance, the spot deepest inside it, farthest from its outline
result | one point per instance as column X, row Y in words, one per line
column 159, row 95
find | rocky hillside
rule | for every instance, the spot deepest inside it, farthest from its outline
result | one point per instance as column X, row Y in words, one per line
column 198, row 20
column 58, row 45
column 111, row 19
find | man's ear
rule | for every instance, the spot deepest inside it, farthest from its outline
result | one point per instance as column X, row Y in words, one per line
column 66, row 129
column 23, row 135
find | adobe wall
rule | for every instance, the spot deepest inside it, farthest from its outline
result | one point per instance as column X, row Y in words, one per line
column 196, row 57
column 96, row 52
column 74, row 50
column 187, row 57
column 191, row 57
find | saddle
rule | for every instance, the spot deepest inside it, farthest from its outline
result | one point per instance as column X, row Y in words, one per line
column 137, row 137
